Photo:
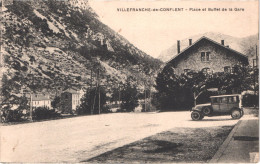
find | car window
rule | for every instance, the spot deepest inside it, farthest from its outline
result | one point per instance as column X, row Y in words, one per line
column 234, row 99
column 230, row 100
column 224, row 99
column 216, row 100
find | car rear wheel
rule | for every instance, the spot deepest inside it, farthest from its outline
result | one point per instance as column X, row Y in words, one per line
column 236, row 114
column 195, row 115
column 242, row 113
column 207, row 111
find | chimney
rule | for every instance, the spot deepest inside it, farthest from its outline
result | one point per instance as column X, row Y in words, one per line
column 190, row 42
column 222, row 42
column 178, row 47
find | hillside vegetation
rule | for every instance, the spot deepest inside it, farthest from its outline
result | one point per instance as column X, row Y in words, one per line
column 52, row 45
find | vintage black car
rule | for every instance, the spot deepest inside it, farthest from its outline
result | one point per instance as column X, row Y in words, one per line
column 219, row 105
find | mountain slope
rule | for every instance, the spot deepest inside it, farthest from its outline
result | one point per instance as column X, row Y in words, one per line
column 244, row 45
column 51, row 45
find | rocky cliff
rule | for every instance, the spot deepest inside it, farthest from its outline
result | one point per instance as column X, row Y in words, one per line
column 51, row 45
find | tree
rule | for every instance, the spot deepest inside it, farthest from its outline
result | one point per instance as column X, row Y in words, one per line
column 56, row 102
column 168, row 88
column 129, row 97
column 90, row 102
column 183, row 91
column 115, row 94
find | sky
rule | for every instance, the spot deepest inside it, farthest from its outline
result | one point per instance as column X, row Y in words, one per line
column 155, row 31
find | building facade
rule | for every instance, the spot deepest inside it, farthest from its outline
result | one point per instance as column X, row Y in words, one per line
column 39, row 100
column 208, row 56
column 70, row 99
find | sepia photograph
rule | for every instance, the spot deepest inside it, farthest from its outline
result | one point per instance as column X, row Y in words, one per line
column 129, row 81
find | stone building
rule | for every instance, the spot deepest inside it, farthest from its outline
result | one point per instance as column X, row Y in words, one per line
column 208, row 56
column 70, row 99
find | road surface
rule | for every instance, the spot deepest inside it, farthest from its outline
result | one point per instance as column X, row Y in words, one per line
column 80, row 138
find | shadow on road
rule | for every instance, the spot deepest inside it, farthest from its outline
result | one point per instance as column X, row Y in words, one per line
column 219, row 119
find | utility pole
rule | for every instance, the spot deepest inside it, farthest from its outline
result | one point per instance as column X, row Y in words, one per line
column 144, row 98
column 144, row 92
column 98, row 91
column 119, row 95
column 150, row 95
column 256, row 57
column 91, row 79
column 254, row 69
column 30, row 92
column 31, row 106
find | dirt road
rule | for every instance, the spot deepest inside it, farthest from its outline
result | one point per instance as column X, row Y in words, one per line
column 81, row 138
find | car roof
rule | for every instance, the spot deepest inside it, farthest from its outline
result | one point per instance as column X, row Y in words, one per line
column 224, row 95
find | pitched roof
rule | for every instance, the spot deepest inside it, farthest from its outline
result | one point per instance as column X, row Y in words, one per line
column 38, row 97
column 72, row 90
column 35, row 97
column 223, row 46
column 75, row 90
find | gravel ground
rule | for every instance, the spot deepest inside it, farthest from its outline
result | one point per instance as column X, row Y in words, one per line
column 176, row 145
column 251, row 111
column 82, row 138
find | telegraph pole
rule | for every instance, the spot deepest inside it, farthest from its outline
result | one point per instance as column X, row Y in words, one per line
column 31, row 106
column 98, row 91
column 254, row 69
column 119, row 96
column 30, row 92
column 144, row 98
column 256, row 57
column 91, row 79
column 150, row 96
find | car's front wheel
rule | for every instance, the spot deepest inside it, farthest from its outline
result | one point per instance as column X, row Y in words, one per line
column 195, row 115
column 236, row 114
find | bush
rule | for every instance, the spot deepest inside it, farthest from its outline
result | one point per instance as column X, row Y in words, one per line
column 149, row 107
column 106, row 109
column 11, row 115
column 250, row 100
column 56, row 102
column 24, row 68
column 16, row 65
column 44, row 113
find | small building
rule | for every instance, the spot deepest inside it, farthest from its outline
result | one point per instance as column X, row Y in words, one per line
column 39, row 100
column 70, row 99
column 208, row 56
